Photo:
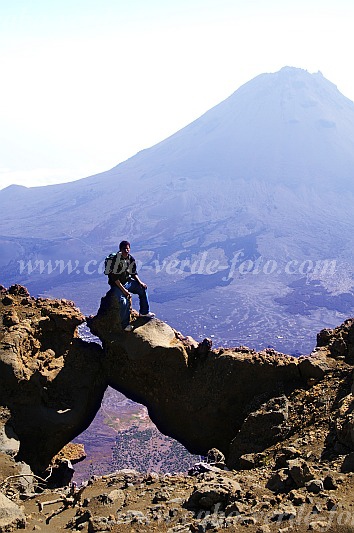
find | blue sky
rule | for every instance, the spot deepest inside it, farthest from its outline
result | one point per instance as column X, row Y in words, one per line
column 87, row 84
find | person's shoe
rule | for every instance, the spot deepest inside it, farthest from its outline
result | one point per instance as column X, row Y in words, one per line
column 129, row 328
column 148, row 315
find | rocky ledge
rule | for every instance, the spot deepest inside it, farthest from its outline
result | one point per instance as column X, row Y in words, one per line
column 204, row 398
column 281, row 428
column 51, row 382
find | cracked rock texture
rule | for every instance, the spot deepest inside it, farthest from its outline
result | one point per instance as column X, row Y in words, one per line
column 201, row 397
column 281, row 428
column 235, row 400
column 51, row 382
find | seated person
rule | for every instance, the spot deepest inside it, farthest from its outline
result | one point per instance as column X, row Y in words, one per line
column 124, row 280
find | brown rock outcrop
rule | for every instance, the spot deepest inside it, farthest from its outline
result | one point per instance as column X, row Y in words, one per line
column 338, row 342
column 51, row 382
column 200, row 398
column 236, row 400
column 290, row 418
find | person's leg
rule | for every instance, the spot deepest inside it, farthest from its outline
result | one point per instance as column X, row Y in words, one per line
column 134, row 287
column 124, row 306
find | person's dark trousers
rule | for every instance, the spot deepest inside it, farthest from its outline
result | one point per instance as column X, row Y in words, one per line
column 135, row 288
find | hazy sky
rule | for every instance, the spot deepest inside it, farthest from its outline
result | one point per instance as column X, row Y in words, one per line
column 85, row 84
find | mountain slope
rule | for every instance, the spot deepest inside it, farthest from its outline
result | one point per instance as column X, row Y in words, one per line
column 290, row 128
column 267, row 175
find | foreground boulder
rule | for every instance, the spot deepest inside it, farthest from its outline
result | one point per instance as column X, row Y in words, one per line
column 11, row 515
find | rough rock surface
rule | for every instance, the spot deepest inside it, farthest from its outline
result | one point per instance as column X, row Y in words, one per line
column 51, row 382
column 199, row 397
column 284, row 425
column 11, row 516
column 338, row 342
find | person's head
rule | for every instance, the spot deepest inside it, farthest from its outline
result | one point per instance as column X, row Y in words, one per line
column 124, row 248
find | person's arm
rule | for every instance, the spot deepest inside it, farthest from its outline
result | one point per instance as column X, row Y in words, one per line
column 123, row 289
column 139, row 281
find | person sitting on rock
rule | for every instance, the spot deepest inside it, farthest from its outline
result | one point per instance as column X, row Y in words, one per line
column 124, row 280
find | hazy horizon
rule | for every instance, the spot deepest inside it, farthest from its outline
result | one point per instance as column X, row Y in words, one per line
column 86, row 86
